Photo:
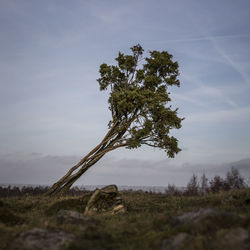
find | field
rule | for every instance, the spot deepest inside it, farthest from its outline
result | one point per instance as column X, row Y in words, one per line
column 152, row 221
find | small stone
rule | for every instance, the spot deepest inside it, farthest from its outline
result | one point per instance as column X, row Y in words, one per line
column 175, row 243
column 75, row 218
column 120, row 209
column 197, row 216
column 235, row 239
column 40, row 239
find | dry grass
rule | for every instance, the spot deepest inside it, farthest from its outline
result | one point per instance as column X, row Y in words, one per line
column 148, row 221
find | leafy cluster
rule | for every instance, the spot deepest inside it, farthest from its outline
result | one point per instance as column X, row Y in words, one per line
column 139, row 97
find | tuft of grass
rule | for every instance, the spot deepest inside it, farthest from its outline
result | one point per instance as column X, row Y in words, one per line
column 77, row 204
column 7, row 217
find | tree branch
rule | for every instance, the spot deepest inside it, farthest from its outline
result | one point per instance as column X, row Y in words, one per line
column 148, row 144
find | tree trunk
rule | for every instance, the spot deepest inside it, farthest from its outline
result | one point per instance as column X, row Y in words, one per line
column 110, row 142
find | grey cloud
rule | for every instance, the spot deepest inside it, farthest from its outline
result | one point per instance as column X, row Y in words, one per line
column 35, row 168
column 242, row 165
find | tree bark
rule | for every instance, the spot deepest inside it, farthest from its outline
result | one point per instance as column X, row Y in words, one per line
column 109, row 143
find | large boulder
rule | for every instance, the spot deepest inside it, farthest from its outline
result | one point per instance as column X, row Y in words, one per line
column 40, row 239
column 105, row 200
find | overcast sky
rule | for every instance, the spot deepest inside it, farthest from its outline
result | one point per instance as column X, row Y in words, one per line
column 52, row 112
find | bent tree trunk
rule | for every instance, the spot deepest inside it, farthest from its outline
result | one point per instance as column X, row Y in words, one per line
column 111, row 141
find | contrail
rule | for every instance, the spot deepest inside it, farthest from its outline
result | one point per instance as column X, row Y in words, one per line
column 231, row 62
column 205, row 38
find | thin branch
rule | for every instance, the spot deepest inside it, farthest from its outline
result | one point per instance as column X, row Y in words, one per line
column 148, row 144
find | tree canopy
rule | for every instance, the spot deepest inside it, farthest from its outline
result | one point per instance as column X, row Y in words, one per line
column 139, row 96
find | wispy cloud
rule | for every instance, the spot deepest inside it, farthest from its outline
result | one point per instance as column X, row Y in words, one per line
column 187, row 98
column 206, row 89
column 203, row 38
column 237, row 114
column 213, row 92
column 229, row 60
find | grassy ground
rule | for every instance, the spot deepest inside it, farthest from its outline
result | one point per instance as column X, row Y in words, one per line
column 147, row 222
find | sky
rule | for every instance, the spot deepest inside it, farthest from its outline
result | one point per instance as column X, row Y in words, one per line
column 52, row 112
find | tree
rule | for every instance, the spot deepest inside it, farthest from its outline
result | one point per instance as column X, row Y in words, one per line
column 217, row 184
column 193, row 186
column 138, row 101
column 172, row 190
column 204, row 184
column 234, row 180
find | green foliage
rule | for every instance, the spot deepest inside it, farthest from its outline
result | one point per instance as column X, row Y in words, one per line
column 139, row 96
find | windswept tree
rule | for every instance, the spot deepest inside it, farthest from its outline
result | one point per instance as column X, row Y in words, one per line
column 138, row 101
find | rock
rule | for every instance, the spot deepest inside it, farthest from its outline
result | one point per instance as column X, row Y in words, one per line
column 40, row 239
column 197, row 216
column 176, row 242
column 110, row 189
column 75, row 218
column 120, row 209
column 235, row 239
column 106, row 200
